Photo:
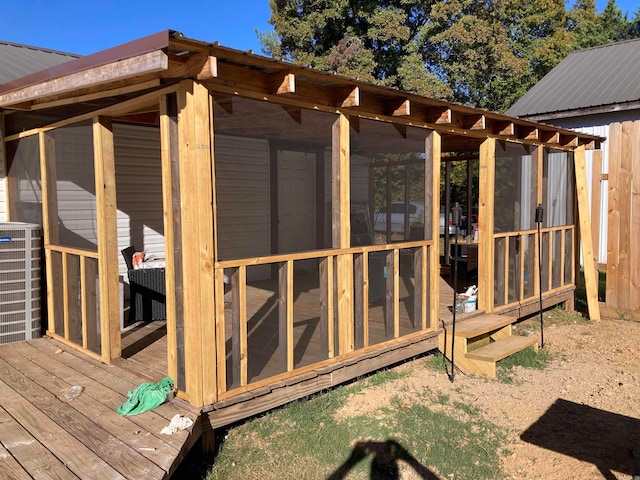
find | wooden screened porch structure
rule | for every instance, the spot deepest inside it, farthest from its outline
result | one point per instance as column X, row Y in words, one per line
column 282, row 275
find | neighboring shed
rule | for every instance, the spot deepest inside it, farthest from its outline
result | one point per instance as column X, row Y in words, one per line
column 270, row 174
column 597, row 91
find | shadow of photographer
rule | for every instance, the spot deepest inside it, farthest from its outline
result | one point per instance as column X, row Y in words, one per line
column 385, row 460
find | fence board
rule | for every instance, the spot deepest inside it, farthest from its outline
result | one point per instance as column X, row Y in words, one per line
column 613, row 214
column 634, row 244
column 624, row 209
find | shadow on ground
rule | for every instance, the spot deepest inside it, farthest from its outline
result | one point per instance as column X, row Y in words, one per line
column 602, row 438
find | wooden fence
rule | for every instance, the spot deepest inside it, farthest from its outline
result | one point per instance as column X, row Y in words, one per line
column 623, row 243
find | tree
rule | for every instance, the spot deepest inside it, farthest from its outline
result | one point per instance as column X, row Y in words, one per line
column 634, row 25
column 486, row 53
column 592, row 30
column 369, row 40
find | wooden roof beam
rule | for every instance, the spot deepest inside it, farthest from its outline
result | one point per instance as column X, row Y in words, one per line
column 401, row 109
column 527, row 132
column 100, row 75
column 550, row 136
column 438, row 115
column 350, row 98
column 282, row 83
column 569, row 140
column 401, row 128
column 367, row 102
column 504, row 128
column 474, row 121
column 589, row 144
column 209, row 70
column 112, row 92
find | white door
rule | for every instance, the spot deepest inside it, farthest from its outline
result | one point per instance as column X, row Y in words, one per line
column 296, row 203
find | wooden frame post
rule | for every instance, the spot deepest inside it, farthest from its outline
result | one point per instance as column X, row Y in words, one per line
column 486, row 224
column 341, row 234
column 168, row 148
column 433, row 152
column 104, row 161
column 50, row 230
column 196, row 212
column 588, row 259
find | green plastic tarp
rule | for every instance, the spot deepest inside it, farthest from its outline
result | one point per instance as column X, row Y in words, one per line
column 146, row 397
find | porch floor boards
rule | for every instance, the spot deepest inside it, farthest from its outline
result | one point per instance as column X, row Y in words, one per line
column 44, row 435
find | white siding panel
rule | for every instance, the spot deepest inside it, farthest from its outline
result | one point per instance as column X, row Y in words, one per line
column 243, row 200
column 359, row 171
column 3, row 191
column 139, row 190
column 76, row 199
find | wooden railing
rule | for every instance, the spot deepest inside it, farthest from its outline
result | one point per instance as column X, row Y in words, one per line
column 72, row 298
column 351, row 300
column 516, row 266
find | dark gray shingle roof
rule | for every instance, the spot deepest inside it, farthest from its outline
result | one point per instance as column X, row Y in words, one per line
column 594, row 77
column 17, row 60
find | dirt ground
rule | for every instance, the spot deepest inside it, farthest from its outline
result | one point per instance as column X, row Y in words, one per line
column 579, row 418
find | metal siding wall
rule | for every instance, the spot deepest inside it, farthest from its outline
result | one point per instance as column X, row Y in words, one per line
column 599, row 125
column 243, row 200
column 139, row 190
column 359, row 180
column 3, row 196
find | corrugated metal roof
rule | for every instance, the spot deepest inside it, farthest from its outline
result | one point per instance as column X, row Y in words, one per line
column 594, row 77
column 17, row 60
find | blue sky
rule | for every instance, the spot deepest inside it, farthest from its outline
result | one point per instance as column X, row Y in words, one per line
column 86, row 27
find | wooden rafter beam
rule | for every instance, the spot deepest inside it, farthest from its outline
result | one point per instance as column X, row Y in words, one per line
column 527, row 132
column 351, row 98
column 283, row 83
column 128, row 68
column 549, row 136
column 569, row 140
column 504, row 128
column 403, row 109
column 474, row 122
column 209, row 70
column 401, row 128
column 435, row 115
column 113, row 92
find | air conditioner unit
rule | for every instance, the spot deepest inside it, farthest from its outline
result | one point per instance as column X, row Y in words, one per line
column 20, row 281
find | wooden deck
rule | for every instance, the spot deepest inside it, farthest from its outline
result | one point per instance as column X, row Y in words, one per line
column 44, row 435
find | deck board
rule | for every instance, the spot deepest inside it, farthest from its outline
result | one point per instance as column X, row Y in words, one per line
column 10, row 466
column 44, row 435
column 28, row 452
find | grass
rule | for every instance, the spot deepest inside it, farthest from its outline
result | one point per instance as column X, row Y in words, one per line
column 437, row 362
column 307, row 439
column 527, row 358
column 581, row 294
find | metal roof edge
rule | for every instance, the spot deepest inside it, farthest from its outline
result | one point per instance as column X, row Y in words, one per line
column 140, row 46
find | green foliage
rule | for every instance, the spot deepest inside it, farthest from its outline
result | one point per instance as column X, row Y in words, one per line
column 527, row 358
column 592, row 29
column 437, row 362
column 487, row 54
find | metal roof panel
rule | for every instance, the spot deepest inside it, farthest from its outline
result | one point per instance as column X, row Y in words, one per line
column 593, row 77
column 18, row 60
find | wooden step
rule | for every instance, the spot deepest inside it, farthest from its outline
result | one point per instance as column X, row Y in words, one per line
column 502, row 348
column 479, row 325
